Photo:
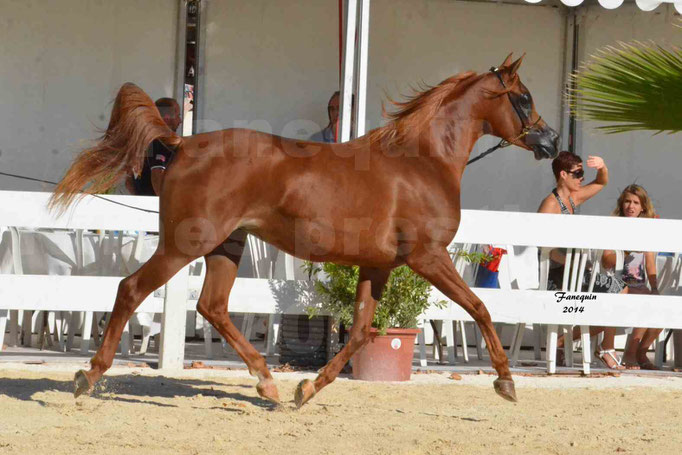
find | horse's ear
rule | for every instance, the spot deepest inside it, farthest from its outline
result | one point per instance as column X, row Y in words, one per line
column 515, row 66
column 507, row 61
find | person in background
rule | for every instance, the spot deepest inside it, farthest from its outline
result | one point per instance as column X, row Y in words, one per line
column 159, row 156
column 568, row 195
column 638, row 268
column 569, row 174
column 329, row 133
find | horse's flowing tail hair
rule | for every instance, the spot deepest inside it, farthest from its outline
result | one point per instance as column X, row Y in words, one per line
column 135, row 122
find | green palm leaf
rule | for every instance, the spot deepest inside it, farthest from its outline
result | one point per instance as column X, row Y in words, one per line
column 631, row 87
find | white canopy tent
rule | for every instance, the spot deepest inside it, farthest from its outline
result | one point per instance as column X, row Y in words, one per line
column 644, row 5
column 272, row 65
column 355, row 55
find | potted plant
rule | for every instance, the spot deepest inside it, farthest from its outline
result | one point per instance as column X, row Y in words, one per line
column 388, row 354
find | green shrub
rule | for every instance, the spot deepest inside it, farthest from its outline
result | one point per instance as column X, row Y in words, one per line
column 405, row 296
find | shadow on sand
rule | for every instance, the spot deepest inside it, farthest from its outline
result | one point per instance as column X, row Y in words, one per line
column 132, row 389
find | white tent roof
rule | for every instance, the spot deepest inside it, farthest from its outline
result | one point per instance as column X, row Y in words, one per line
column 644, row 5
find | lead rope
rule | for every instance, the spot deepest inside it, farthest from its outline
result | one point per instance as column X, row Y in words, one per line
column 80, row 191
column 500, row 145
column 503, row 143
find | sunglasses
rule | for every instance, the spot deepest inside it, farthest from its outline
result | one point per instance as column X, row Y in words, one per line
column 578, row 173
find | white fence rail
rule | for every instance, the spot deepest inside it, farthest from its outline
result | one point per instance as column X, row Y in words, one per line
column 582, row 232
column 92, row 293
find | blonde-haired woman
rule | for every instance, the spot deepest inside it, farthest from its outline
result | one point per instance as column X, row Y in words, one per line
column 634, row 202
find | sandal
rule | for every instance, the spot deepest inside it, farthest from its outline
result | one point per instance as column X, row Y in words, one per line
column 647, row 365
column 603, row 354
column 631, row 365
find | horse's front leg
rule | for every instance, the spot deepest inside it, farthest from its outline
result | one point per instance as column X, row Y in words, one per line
column 370, row 286
column 437, row 267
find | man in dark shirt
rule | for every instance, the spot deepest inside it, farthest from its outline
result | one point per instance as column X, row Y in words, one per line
column 159, row 156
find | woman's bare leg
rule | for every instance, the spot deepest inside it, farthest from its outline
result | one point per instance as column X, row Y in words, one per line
column 650, row 335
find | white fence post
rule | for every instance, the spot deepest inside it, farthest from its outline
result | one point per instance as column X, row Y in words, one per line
column 172, row 351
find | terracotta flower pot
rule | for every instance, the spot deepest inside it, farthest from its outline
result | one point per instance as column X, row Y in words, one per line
column 386, row 357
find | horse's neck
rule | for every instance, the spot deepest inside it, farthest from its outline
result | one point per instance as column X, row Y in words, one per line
column 451, row 141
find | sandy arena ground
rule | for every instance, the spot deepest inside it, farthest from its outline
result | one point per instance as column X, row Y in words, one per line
column 136, row 411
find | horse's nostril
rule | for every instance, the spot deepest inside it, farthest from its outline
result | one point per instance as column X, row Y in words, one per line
column 557, row 140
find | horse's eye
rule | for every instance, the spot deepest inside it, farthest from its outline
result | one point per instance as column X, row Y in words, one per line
column 525, row 100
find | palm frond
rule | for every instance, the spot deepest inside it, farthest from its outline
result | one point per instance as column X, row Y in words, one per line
column 630, row 87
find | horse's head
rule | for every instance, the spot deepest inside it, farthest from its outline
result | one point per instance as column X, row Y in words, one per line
column 510, row 112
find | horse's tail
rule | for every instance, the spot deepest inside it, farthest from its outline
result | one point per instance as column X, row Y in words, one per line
column 135, row 122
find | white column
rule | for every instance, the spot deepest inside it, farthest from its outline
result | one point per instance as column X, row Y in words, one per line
column 179, row 90
column 348, row 70
column 172, row 351
column 361, row 82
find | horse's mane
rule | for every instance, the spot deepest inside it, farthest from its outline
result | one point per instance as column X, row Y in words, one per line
column 416, row 110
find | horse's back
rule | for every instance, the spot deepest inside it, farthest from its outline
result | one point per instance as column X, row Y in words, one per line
column 341, row 200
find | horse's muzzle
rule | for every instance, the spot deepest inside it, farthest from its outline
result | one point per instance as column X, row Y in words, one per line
column 544, row 141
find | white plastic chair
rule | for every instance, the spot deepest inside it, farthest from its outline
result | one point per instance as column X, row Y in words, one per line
column 58, row 322
column 574, row 269
column 149, row 325
column 27, row 319
column 14, row 316
column 110, row 262
column 669, row 278
column 450, row 327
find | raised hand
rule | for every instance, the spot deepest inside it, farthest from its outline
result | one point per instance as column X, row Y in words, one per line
column 595, row 162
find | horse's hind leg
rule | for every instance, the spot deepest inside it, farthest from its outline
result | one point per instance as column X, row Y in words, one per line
column 370, row 286
column 221, row 272
column 438, row 269
column 131, row 292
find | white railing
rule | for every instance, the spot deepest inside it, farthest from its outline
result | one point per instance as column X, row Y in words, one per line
column 595, row 232
column 96, row 293
column 578, row 234
column 70, row 293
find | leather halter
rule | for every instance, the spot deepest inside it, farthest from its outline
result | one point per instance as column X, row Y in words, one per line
column 525, row 126
column 525, row 129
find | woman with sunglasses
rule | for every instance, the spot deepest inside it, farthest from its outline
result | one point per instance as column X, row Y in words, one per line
column 568, row 195
column 570, row 192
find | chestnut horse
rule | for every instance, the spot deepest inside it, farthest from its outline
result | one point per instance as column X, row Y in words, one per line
column 389, row 198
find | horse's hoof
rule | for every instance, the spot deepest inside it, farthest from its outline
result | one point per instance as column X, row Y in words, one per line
column 505, row 389
column 268, row 390
column 304, row 392
column 81, row 384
